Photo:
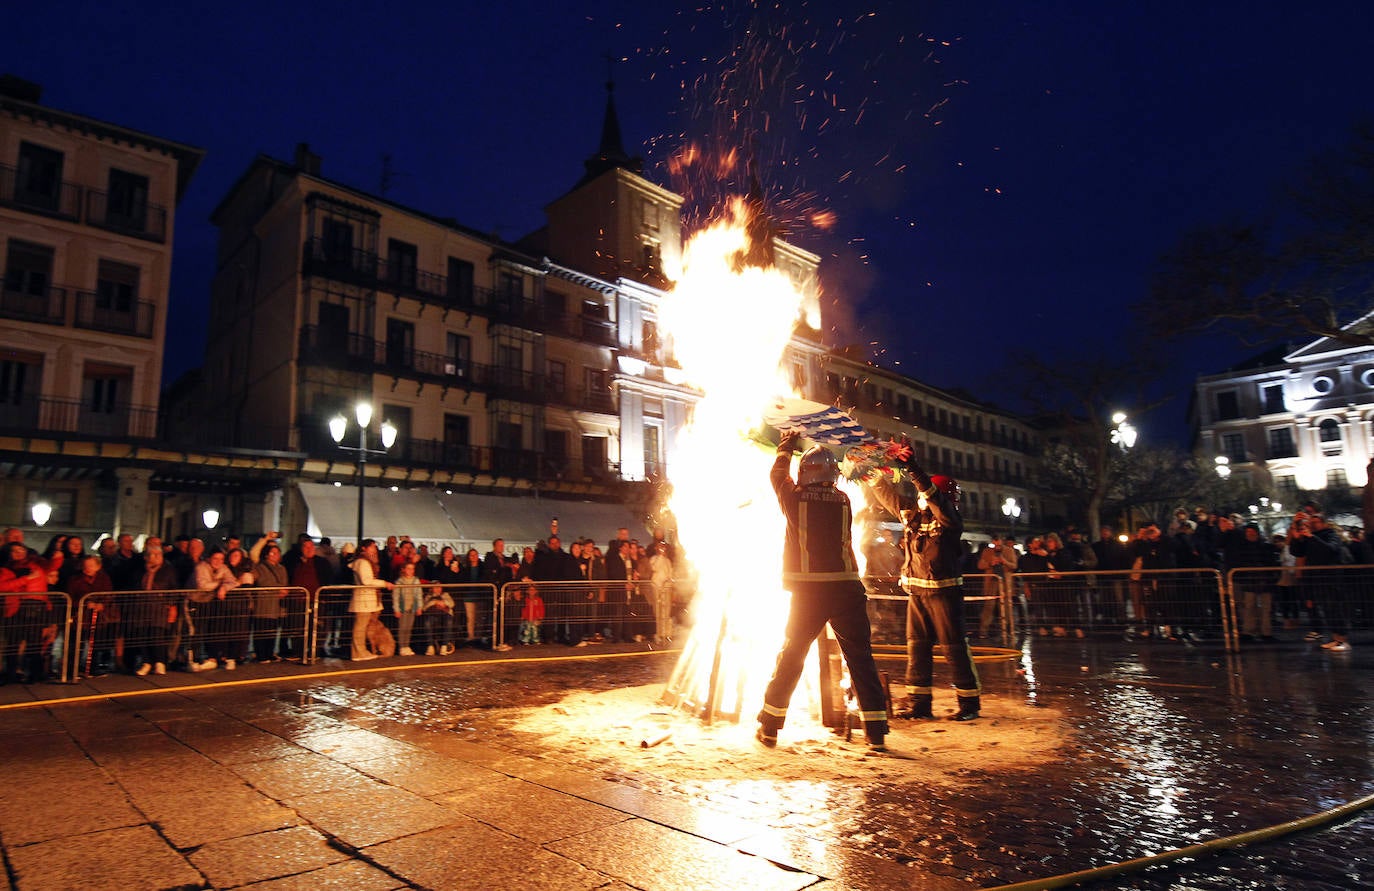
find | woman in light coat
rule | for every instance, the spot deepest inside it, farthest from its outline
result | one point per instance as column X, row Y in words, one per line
column 366, row 603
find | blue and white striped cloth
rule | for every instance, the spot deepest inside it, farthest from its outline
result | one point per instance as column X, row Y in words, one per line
column 820, row 423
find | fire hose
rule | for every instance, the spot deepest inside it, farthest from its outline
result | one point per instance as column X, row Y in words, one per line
column 1217, row 844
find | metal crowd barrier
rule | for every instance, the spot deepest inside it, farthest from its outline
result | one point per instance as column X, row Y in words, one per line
column 443, row 628
column 122, row 630
column 986, row 604
column 1314, row 600
column 1153, row 602
column 33, row 640
column 603, row 610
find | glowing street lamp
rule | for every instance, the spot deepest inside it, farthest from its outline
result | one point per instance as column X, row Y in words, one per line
column 1124, row 433
column 338, row 428
column 1011, row 510
column 42, row 512
column 1223, row 466
column 210, row 517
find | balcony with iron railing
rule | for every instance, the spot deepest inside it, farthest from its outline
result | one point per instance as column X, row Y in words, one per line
column 367, row 269
column 141, row 220
column 48, row 306
column 586, row 399
column 355, row 352
column 97, row 312
column 58, row 199
column 581, row 327
column 44, row 414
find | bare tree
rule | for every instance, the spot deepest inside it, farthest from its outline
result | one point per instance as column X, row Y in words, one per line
column 1073, row 400
column 1305, row 270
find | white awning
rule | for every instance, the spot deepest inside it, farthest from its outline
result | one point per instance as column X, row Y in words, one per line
column 524, row 520
column 334, row 513
column 433, row 518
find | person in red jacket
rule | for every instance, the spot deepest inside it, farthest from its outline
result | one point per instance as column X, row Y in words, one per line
column 818, row 567
column 29, row 626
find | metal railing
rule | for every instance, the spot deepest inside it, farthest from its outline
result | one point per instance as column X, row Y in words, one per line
column 468, row 610
column 48, row 414
column 94, row 312
column 183, row 629
column 141, row 220
column 60, row 199
column 35, row 635
column 49, row 307
column 370, row 270
column 1316, row 600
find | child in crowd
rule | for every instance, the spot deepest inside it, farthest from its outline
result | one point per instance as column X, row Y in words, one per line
column 407, row 602
column 438, row 616
column 531, row 616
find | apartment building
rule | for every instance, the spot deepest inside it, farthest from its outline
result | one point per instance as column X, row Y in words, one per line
column 992, row 452
column 1292, row 419
column 87, row 212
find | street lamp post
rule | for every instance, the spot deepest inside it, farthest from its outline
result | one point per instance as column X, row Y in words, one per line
column 1011, row 510
column 338, row 427
column 1265, row 513
column 1124, row 433
column 1124, row 436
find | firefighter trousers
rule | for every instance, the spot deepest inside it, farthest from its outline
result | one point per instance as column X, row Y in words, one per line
column 845, row 607
column 931, row 615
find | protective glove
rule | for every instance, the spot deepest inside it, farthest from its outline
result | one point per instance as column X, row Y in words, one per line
column 790, row 441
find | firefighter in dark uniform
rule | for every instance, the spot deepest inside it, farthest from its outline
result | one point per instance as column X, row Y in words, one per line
column 933, row 580
column 820, row 571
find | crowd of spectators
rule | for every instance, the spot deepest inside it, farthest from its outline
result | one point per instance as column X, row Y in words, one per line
column 198, row 606
column 1063, row 585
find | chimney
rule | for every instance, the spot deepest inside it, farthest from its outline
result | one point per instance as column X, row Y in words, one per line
column 306, row 160
column 16, row 87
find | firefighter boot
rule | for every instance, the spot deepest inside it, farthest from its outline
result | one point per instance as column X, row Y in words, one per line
column 875, row 733
column 968, row 709
column 918, row 707
column 768, row 729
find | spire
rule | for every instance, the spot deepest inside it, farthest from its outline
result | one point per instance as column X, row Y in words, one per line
column 612, row 152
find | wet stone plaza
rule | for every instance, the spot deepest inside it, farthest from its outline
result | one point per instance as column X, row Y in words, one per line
column 556, row 769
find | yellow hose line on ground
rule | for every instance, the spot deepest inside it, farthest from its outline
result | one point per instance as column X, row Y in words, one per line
column 1217, row 844
column 292, row 678
column 980, row 654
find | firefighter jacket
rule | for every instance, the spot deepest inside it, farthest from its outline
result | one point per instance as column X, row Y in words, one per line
column 817, row 548
column 931, row 552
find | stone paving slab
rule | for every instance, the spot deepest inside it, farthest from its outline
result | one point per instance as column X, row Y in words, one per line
column 350, row 875
column 862, row 872
column 133, row 858
column 265, row 855
column 534, row 813
column 299, row 775
column 370, row 813
column 36, row 812
column 427, row 774
column 655, row 858
column 198, row 817
column 468, row 854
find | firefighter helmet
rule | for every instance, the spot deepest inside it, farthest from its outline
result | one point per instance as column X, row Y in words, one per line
column 818, row 467
column 949, row 485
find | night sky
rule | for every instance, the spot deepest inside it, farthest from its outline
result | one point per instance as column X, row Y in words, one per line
column 986, row 176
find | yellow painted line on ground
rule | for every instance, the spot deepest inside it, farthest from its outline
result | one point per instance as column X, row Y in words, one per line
column 210, row 686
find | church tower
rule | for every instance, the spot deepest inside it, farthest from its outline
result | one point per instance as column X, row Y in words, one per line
column 614, row 223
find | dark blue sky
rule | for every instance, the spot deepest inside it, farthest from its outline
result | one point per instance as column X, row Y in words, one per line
column 1002, row 174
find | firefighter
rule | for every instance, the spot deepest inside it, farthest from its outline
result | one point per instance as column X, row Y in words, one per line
column 933, row 581
column 820, row 571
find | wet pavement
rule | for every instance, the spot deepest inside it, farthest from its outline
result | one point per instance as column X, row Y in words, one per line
column 417, row 776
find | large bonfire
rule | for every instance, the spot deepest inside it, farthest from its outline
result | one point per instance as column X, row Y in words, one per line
column 730, row 319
